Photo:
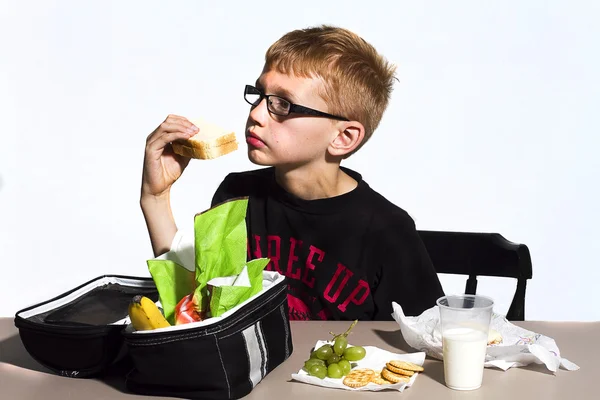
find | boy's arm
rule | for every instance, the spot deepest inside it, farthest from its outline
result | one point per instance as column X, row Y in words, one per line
column 406, row 275
column 159, row 221
column 162, row 167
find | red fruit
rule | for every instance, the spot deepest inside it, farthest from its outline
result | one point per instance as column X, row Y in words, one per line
column 186, row 311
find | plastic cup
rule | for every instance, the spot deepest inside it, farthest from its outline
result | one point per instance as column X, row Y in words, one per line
column 465, row 321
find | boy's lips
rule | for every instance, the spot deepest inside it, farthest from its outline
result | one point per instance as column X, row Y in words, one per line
column 254, row 140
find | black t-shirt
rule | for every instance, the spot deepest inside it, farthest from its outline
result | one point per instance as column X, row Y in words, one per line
column 346, row 257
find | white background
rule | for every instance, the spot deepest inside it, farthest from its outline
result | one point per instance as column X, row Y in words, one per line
column 493, row 127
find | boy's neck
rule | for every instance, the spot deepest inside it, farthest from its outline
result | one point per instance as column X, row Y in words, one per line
column 315, row 183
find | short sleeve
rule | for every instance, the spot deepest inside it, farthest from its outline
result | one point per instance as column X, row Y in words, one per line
column 223, row 192
column 244, row 184
column 406, row 274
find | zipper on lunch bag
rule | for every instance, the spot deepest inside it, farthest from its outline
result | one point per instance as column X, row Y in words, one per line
column 74, row 330
column 66, row 330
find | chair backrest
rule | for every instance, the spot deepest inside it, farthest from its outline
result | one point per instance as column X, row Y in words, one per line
column 481, row 254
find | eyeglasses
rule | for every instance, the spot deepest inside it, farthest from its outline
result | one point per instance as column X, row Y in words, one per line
column 280, row 106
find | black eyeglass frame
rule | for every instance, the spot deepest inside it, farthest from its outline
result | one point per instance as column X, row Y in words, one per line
column 294, row 108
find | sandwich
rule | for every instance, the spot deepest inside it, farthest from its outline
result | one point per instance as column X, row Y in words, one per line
column 210, row 142
column 494, row 337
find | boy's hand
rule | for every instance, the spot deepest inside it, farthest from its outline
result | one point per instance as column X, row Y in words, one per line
column 162, row 167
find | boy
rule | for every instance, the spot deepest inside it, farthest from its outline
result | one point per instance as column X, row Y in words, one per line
column 347, row 252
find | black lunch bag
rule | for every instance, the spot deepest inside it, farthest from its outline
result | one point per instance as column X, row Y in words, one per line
column 85, row 332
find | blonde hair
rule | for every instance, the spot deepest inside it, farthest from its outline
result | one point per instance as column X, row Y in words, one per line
column 357, row 80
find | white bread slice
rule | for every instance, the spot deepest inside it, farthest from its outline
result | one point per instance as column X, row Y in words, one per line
column 210, row 142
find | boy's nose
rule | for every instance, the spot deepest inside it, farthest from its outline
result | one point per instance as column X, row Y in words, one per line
column 260, row 113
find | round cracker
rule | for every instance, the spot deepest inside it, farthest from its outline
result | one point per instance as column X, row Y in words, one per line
column 408, row 366
column 379, row 380
column 358, row 377
column 399, row 371
column 394, row 378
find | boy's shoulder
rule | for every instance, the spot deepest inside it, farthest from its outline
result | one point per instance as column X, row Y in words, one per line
column 365, row 203
column 391, row 226
column 246, row 183
column 376, row 205
column 385, row 213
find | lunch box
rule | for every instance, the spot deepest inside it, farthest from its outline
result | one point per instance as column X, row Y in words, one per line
column 85, row 332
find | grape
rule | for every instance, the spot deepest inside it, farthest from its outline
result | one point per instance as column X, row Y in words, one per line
column 355, row 353
column 320, row 371
column 324, row 352
column 340, row 345
column 334, row 359
column 345, row 366
column 314, row 354
column 313, row 361
column 334, row 371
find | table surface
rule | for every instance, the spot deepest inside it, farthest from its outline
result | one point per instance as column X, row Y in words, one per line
column 23, row 378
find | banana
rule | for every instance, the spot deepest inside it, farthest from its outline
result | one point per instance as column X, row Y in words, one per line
column 145, row 315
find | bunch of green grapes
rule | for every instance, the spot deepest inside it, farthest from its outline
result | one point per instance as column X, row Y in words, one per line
column 334, row 360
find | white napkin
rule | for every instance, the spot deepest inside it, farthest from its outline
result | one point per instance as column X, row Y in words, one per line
column 236, row 280
column 375, row 359
column 519, row 347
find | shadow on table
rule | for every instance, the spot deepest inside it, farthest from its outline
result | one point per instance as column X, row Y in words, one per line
column 14, row 353
column 434, row 370
column 395, row 339
column 536, row 368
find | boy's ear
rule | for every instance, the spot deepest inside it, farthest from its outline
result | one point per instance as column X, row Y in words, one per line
column 349, row 136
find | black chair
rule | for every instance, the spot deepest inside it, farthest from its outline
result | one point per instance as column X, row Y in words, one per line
column 481, row 254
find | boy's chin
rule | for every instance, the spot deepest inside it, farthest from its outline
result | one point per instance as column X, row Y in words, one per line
column 258, row 158
column 254, row 159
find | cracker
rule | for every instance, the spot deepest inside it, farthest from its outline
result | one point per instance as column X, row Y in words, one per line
column 399, row 371
column 405, row 365
column 379, row 380
column 359, row 377
column 394, row 378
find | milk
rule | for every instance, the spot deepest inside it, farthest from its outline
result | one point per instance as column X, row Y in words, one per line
column 464, row 355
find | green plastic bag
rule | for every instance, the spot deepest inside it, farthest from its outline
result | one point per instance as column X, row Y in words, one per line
column 220, row 243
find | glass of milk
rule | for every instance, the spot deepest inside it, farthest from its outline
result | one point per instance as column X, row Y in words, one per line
column 465, row 322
